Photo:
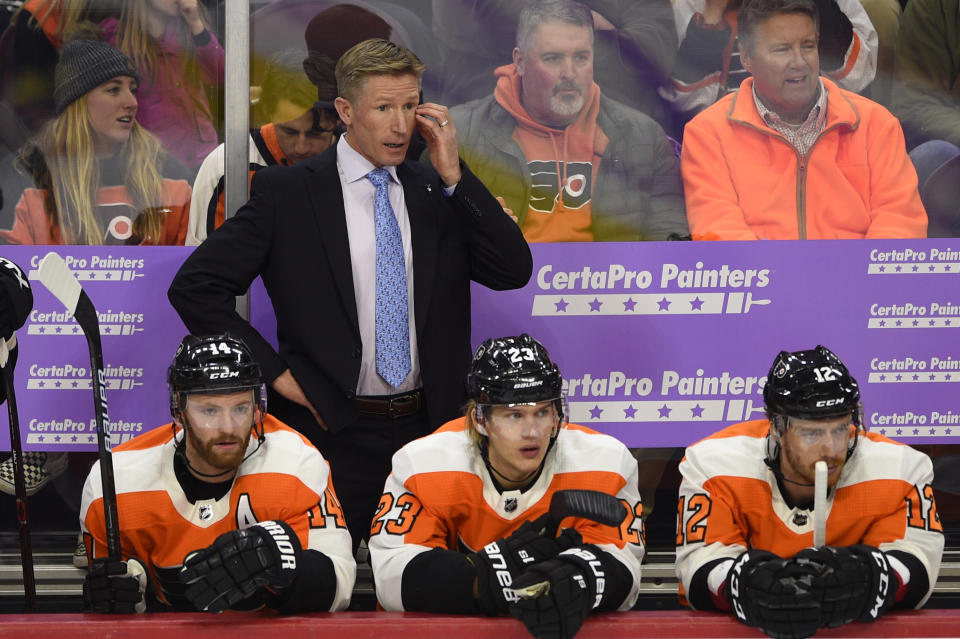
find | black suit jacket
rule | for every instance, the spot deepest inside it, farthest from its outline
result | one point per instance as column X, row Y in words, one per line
column 293, row 233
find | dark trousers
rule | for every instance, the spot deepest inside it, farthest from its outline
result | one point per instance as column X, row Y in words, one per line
column 359, row 456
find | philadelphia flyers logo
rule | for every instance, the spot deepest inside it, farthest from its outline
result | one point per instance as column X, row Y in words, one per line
column 544, row 193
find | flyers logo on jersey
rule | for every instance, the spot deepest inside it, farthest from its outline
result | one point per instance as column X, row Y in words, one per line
column 577, row 190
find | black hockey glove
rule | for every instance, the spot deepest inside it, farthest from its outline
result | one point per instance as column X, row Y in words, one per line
column 852, row 582
column 239, row 563
column 117, row 586
column 500, row 562
column 774, row 595
column 555, row 596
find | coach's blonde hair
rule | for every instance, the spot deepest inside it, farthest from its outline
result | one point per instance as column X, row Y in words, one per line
column 374, row 57
column 63, row 163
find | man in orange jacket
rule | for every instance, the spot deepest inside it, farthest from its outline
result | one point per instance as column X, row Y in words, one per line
column 790, row 155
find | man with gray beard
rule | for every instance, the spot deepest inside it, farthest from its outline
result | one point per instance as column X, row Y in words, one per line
column 572, row 165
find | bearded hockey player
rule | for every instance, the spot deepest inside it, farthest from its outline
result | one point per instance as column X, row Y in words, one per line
column 746, row 524
column 463, row 524
column 224, row 508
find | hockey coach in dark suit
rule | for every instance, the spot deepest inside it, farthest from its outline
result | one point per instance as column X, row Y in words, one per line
column 368, row 261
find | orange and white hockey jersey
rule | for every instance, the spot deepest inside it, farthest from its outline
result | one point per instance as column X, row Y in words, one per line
column 286, row 479
column 730, row 501
column 440, row 495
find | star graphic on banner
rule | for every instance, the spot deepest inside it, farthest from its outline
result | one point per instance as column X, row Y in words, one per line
column 933, row 431
column 41, row 384
column 42, row 330
column 946, row 267
column 107, row 330
column 899, row 431
column 882, row 269
column 947, row 377
column 76, row 329
column 946, row 322
column 696, row 304
column 948, row 431
column 58, row 330
column 883, row 431
column 663, row 304
column 899, row 323
column 883, row 378
column 75, row 384
column 915, row 377
column 932, row 268
column 664, row 411
column 40, row 438
column 696, row 411
column 932, row 377
column 629, row 305
column 916, row 322
column 74, row 438
column 916, row 431
column 899, row 377
column 933, row 322
column 882, row 322
column 629, row 412
column 915, row 268
column 93, row 275
column 107, row 275
column 57, row 438
column 595, row 305
column 90, row 438
column 561, row 305
column 595, row 412
column 898, row 268
column 58, row 384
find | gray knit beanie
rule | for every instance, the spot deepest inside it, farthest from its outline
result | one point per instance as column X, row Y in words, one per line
column 85, row 65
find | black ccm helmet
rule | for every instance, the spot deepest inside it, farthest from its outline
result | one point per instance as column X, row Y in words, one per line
column 811, row 384
column 513, row 370
column 212, row 364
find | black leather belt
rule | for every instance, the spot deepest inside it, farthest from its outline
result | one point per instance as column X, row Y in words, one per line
column 391, row 405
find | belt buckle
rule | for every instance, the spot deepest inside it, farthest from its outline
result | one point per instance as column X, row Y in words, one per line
column 396, row 404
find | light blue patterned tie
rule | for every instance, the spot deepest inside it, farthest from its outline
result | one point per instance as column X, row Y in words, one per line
column 393, row 335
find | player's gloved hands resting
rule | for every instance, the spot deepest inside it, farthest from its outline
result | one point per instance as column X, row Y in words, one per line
column 774, row 595
column 555, row 596
column 112, row 585
column 852, row 582
column 527, row 545
column 239, row 563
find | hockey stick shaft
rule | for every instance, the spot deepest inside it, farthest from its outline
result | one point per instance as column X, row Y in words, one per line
column 820, row 504
column 20, row 489
column 59, row 280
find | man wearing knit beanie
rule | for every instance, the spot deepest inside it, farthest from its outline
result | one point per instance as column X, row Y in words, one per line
column 83, row 66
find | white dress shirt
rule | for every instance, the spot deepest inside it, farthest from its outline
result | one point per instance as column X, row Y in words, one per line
column 358, row 205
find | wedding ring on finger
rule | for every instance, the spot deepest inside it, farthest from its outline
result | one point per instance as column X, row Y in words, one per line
column 444, row 123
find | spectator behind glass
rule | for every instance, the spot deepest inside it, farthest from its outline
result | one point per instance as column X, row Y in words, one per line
column 180, row 57
column 94, row 167
column 296, row 129
column 927, row 99
column 635, row 44
column 572, row 164
column 790, row 155
column 708, row 62
column 30, row 48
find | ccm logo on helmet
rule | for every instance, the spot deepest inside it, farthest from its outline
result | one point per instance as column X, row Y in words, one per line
column 829, row 402
column 225, row 375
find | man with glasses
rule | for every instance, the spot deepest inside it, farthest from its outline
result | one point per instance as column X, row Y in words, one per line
column 746, row 510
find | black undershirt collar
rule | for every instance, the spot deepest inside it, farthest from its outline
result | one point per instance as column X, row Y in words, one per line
column 195, row 488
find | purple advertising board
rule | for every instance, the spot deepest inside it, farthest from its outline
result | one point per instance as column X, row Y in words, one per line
column 660, row 344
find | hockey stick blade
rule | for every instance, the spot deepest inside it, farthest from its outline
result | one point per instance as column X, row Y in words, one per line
column 56, row 276
column 587, row 504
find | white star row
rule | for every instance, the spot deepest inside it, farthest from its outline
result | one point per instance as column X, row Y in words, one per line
column 646, row 304
column 913, row 377
column 911, row 268
column 914, row 322
column 74, row 329
column 70, row 383
column 706, row 410
column 918, row 431
column 100, row 275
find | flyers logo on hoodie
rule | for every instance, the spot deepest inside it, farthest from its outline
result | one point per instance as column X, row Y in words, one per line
column 578, row 185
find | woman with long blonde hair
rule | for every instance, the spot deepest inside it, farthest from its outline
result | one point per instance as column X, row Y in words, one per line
column 170, row 42
column 98, row 174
